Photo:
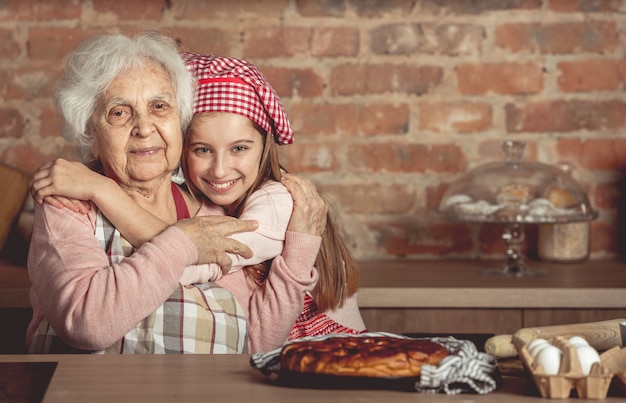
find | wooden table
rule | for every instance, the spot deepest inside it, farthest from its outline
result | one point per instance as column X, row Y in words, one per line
column 217, row 378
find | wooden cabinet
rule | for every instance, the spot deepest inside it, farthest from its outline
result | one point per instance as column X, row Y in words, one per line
column 477, row 320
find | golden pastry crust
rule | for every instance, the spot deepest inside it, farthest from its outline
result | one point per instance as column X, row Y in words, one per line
column 560, row 197
column 362, row 356
column 513, row 193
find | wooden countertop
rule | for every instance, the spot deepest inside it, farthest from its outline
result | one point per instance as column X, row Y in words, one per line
column 219, row 378
column 460, row 284
column 446, row 283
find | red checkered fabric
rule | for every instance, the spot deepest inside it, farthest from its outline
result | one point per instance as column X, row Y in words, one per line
column 231, row 85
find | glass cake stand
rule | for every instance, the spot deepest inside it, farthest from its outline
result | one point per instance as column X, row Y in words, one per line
column 515, row 193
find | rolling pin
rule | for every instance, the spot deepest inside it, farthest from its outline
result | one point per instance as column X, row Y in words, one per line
column 600, row 335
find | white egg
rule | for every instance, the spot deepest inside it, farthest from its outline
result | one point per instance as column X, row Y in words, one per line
column 550, row 358
column 535, row 345
column 577, row 341
column 587, row 355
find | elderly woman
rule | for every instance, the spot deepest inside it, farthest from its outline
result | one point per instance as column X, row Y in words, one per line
column 126, row 102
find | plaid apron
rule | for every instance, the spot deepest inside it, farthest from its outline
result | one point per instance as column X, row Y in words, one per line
column 199, row 318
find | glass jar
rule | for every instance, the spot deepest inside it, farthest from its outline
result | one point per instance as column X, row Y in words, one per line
column 563, row 243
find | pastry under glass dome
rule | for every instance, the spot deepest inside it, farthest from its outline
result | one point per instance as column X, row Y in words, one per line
column 516, row 192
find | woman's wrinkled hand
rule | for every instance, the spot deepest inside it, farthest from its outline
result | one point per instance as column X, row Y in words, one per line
column 210, row 235
column 309, row 209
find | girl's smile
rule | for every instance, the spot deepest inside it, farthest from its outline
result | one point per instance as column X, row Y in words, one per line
column 223, row 156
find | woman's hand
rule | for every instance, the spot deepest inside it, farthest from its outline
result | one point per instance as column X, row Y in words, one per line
column 63, row 183
column 309, row 209
column 210, row 236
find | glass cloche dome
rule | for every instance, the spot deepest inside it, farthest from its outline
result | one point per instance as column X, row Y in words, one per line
column 517, row 191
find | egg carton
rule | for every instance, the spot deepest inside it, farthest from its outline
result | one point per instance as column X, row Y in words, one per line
column 615, row 360
column 570, row 375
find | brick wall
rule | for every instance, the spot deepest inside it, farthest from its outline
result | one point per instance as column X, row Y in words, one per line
column 391, row 100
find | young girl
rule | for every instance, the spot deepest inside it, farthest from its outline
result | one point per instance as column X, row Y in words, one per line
column 230, row 157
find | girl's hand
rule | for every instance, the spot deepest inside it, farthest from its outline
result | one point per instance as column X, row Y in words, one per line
column 63, row 183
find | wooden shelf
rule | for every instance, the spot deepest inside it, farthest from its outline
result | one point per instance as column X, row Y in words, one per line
column 460, row 284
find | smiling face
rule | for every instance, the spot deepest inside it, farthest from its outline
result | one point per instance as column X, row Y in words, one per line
column 223, row 155
column 137, row 126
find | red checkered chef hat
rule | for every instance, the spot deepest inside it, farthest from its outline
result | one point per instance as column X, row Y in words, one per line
column 231, row 85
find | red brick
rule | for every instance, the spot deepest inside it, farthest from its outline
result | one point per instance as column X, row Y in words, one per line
column 564, row 116
column 131, row 10
column 11, row 122
column 335, row 42
column 434, row 195
column 51, row 123
column 594, row 154
column 606, row 196
column 402, row 157
column 397, row 39
column 9, row 46
column 621, row 68
column 291, row 82
column 55, row 43
column 5, row 79
column 371, row 198
column 36, row 10
column 443, row 39
column 606, row 237
column 28, row 157
column 321, row 119
column 501, row 78
column 589, row 75
column 206, row 41
column 405, row 236
column 473, row 8
column 265, row 42
column 558, row 38
column 308, row 8
column 351, row 79
column 34, row 81
column 353, row 119
column 491, row 150
column 378, row 9
column 586, row 6
column 384, row 119
column 231, row 10
column 456, row 39
column 309, row 157
column 464, row 117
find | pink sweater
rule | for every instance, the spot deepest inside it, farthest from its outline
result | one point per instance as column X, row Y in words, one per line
column 91, row 304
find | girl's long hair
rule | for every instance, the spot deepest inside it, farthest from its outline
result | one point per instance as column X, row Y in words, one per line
column 338, row 270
